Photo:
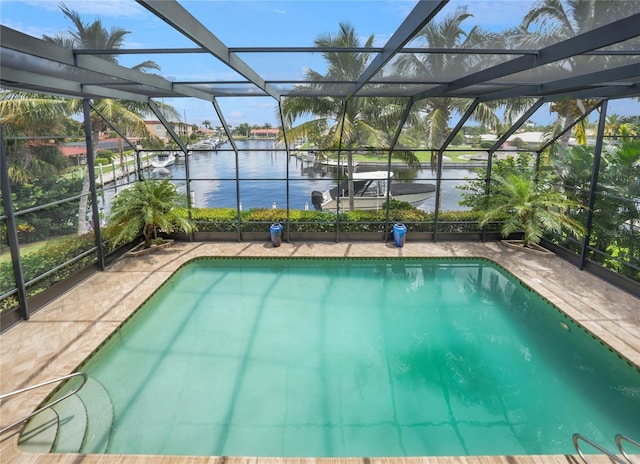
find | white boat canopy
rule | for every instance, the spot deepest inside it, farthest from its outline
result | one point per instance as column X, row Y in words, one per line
column 372, row 175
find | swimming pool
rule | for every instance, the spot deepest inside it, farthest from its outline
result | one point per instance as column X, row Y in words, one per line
column 357, row 357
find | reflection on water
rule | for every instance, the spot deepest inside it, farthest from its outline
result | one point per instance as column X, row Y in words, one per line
column 358, row 357
column 263, row 175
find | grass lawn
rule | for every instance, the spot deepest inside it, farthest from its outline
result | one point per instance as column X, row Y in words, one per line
column 424, row 156
column 28, row 248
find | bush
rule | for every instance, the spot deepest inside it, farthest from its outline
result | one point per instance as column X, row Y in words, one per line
column 62, row 250
column 256, row 220
column 60, row 219
column 214, row 219
column 102, row 161
column 105, row 154
column 55, row 253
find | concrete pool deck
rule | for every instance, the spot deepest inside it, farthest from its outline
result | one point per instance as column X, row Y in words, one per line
column 62, row 334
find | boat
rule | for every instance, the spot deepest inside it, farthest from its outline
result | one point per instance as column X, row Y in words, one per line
column 370, row 192
column 206, row 145
column 332, row 163
column 161, row 172
column 163, row 160
column 308, row 156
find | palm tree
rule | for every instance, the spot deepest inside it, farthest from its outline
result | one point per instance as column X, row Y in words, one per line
column 627, row 133
column 558, row 20
column 335, row 124
column 24, row 114
column 148, row 207
column 569, row 111
column 94, row 35
column 621, row 210
column 128, row 115
column 551, row 21
column 612, row 125
column 447, row 33
column 530, row 205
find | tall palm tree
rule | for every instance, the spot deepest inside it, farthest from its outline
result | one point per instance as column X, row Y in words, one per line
column 448, row 33
column 612, row 125
column 627, row 133
column 552, row 21
column 94, row 35
column 557, row 20
column 27, row 115
column 354, row 125
column 128, row 115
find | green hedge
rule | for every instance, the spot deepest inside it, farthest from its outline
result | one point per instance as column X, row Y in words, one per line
column 45, row 259
column 256, row 220
column 226, row 220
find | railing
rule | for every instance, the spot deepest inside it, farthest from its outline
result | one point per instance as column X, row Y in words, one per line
column 48, row 405
column 619, row 439
column 627, row 460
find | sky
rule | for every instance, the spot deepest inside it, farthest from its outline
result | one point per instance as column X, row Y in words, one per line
column 258, row 23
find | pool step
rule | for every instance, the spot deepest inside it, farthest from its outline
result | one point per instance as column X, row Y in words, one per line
column 72, row 426
column 39, row 435
column 79, row 424
column 100, row 414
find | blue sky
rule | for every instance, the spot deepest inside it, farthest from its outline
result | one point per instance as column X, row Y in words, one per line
column 250, row 23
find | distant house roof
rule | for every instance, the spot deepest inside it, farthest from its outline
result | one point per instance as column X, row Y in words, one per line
column 73, row 150
column 528, row 137
column 80, row 148
column 264, row 132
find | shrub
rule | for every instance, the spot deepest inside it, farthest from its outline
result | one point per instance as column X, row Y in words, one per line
column 54, row 254
column 256, row 219
column 105, row 154
column 148, row 208
column 213, row 219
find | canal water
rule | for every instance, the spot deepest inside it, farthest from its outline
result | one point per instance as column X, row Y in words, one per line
column 263, row 172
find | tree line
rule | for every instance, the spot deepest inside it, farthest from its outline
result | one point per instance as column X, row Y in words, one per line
column 327, row 122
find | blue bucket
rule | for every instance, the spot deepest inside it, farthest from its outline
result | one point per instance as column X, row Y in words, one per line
column 276, row 234
column 399, row 234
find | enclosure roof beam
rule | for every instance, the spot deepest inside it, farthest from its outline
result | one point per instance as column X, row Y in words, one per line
column 609, row 34
column 63, row 87
column 561, row 86
column 51, row 59
column 420, row 16
column 180, row 19
column 313, row 49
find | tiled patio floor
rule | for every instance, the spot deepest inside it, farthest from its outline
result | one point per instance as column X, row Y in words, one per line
column 61, row 335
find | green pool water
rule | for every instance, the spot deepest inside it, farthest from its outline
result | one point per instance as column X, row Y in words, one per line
column 358, row 357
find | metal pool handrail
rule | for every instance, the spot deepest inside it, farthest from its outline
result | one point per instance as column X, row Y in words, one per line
column 46, row 406
column 619, row 439
column 577, row 437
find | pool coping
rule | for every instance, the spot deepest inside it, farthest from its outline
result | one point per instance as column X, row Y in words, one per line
column 68, row 329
